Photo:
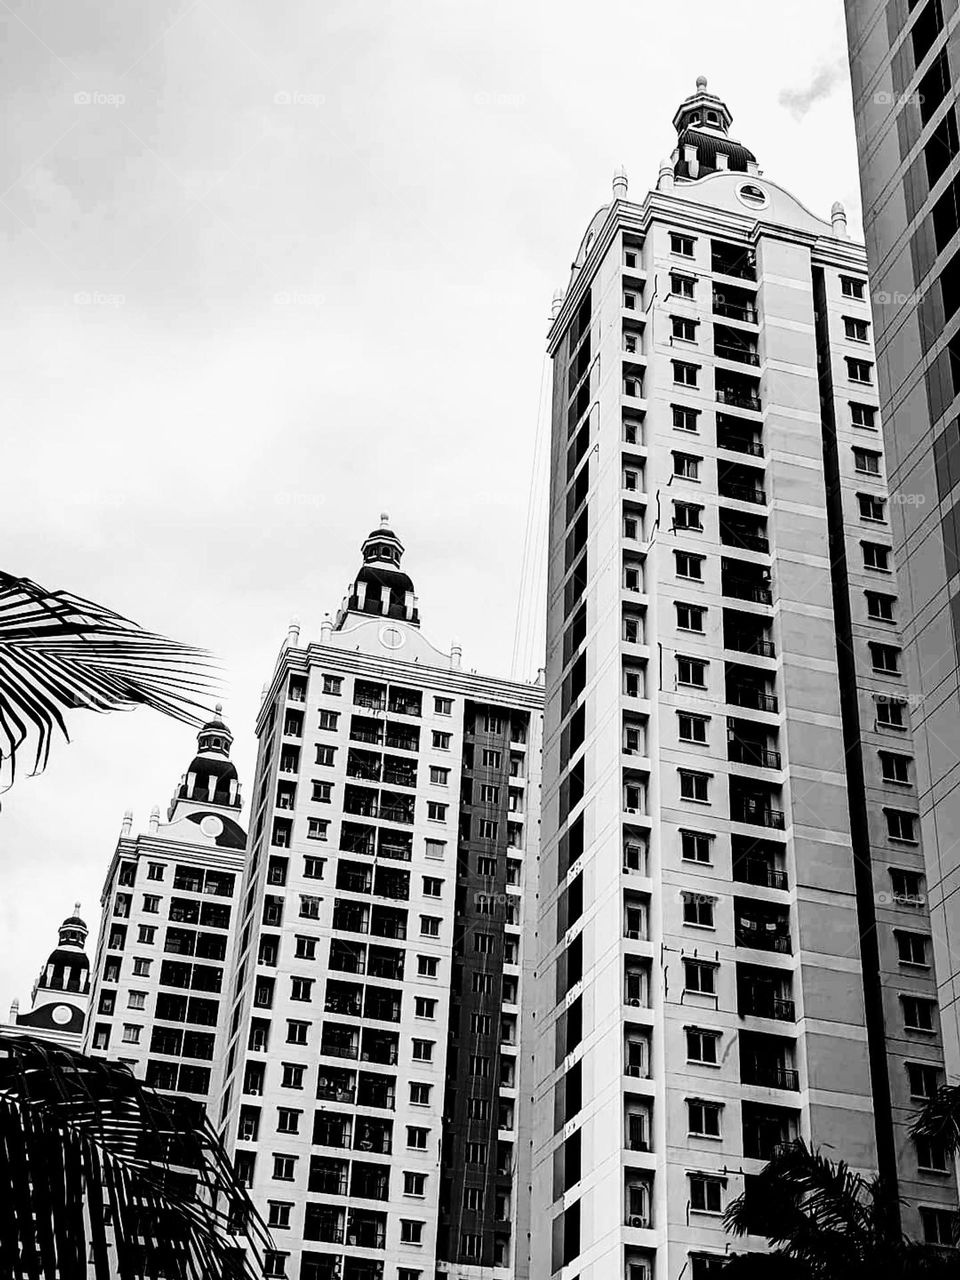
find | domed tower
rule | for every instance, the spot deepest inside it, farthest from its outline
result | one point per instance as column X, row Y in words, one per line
column 704, row 144
column 62, row 991
column 381, row 587
column 211, row 783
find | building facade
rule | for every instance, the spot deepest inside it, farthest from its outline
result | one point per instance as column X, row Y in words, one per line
column 61, row 994
column 905, row 67
column 734, row 943
column 166, row 932
column 373, row 1070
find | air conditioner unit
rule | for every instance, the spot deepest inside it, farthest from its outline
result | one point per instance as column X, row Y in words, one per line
column 633, row 935
column 634, row 1002
column 631, row 810
column 637, row 1221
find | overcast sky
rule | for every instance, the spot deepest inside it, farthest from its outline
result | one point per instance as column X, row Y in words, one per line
column 271, row 268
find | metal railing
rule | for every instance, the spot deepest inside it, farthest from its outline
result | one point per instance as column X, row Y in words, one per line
column 767, row 1006
column 734, row 311
column 738, row 399
column 741, row 751
column 751, row 644
column 760, row 941
column 736, row 444
column 770, row 1075
column 742, row 492
column 757, row 816
column 739, row 589
column 743, row 354
column 745, row 695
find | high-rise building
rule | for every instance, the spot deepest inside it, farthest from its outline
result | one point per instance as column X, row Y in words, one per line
column 905, row 65
column 373, row 1071
column 61, row 993
column 735, row 946
column 165, row 940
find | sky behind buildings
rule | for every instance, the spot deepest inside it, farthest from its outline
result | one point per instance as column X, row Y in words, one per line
column 272, row 269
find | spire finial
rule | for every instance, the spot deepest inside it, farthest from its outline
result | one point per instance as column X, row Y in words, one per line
column 701, row 83
column 76, row 908
column 384, row 520
column 218, row 709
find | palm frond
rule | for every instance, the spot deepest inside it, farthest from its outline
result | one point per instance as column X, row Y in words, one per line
column 59, row 652
column 102, row 1172
column 939, row 1120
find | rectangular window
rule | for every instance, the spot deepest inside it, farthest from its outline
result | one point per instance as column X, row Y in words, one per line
column 483, row 943
column 306, row 948
column 886, row 658
column 146, row 933
column 894, row 768
column 441, row 741
column 420, row 1094
column 325, row 755
column 414, row 1184
column 871, row 507
column 329, row 720
column 689, row 566
column 424, row 1008
column 700, row 977
column 703, row 1046
column 855, row 330
column 917, row 1013
column 489, row 794
column 692, row 671
column 427, row 966
column 141, row 968
column 131, row 1033
column 683, row 329
column 155, row 871
column 924, row 1080
column 137, row 1000
column 417, row 1138
column 297, row 1032
column 692, row 728
column 151, row 903
column 684, row 374
column 434, row 849
column 863, row 415
column 706, row 1193
column 851, row 287
column 491, row 759
column 333, row 685
column 443, row 706
column 703, row 1118
column 875, row 556
column 684, row 419
column 694, row 786
column 686, row 466
column 681, row 245
column 698, row 909
column 695, row 846
column 938, row 1226
column 901, row 826
column 687, row 516
column 880, row 606
column 317, row 828
column 631, row 479
column 430, row 926
column 889, row 713
column 284, row 1168
column 866, row 461
column 436, row 812
column 432, row 887
column 859, row 371
column 301, row 989
column 279, row 1214
column 912, row 948
column 313, row 868
column 487, row 829
column 682, row 286
column 690, row 618
column 309, row 907
column 438, row 776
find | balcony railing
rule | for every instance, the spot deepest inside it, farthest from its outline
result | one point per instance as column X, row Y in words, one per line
column 746, row 695
column 372, row 701
column 740, row 589
column 734, row 311
column 401, row 742
column 757, row 871
column 366, row 735
column 757, row 1004
column 743, row 492
column 769, row 1075
column 736, row 444
column 744, row 354
column 371, row 772
column 758, row 816
column 760, row 940
column 738, row 399
column 762, row 1146
column 739, row 268
column 731, row 537
column 740, row 751
column 751, row 644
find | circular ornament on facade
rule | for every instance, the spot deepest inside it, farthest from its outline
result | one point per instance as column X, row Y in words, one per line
column 61, row 1014
column 752, row 196
column 211, row 826
column 392, row 638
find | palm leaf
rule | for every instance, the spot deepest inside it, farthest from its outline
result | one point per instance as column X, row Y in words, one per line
column 939, row 1121
column 59, row 652
column 102, row 1172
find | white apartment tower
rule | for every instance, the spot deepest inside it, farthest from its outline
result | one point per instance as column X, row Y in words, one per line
column 166, row 931
column 734, row 946
column 373, row 1073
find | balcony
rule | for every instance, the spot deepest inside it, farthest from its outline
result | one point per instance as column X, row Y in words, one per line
column 737, row 399
column 731, row 351
column 740, row 492
column 757, row 814
column 740, row 444
column 762, row 1004
column 733, row 535
column 762, row 935
column 744, row 751
column 742, row 589
column 770, row 1075
column 734, row 310
column 759, row 872
column 743, row 642
column 748, row 695
column 370, row 701
column 734, row 260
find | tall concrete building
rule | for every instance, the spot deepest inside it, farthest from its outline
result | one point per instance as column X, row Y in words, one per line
column 168, row 910
column 377, row 1005
column 905, row 65
column 61, row 994
column 734, row 943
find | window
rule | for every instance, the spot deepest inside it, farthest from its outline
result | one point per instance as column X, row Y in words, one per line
column 682, row 245
column 137, row 1000
column 859, row 371
column 439, row 777
column 875, row 556
column 155, row 870
column 479, row 1066
column 889, row 713
column 867, row 461
column 313, row 868
column 901, row 825
column 279, row 1214
column 491, row 759
column 924, row 1080
column 322, row 792
column 912, row 948
column 333, row 685
column 483, row 943
column 684, row 419
column 434, row 849
column 698, row 910
column 631, row 479
column 483, row 983
column 306, row 948
column 443, row 706
column 489, row 795
column 291, row 1075
column 886, row 658
column 301, row 989
column 288, row 1119
column 683, row 329
column 692, row 728
column 151, row 903
column 480, row 1024
column 486, row 867
column 478, row 1108
column 894, row 768
column 329, row 720
column 632, row 629
column 687, row 516
column 682, row 286
column 700, row 977
column 309, row 906
column 703, row 1118
column 684, row 374
column 275, row 1264
column 427, row 966
column 423, row 1050
column 297, row 1032
column 851, row 287
column 931, row 1155
column 317, row 828
column 436, row 812
column 631, row 299
column 917, row 1013
column 855, row 330
column 441, row 741
column 689, row 566
column 476, row 1153
column 692, row 671
column 695, row 846
column 880, row 606
column 131, row 1033
column 487, row 829
column 141, row 969
column 690, row 618
column 471, row 1245
column 417, row 1138
column 632, row 578
column 871, row 507
column 694, row 786
column 907, row 887
column 939, row 1225
column 424, row 1008
column 146, row 933
column 703, row 1046
column 863, row 415
column 706, row 1193
column 430, row 926
column 432, row 887
column 284, row 1168
column 686, row 466
column 325, row 755
column 414, row 1184
column 420, row 1094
